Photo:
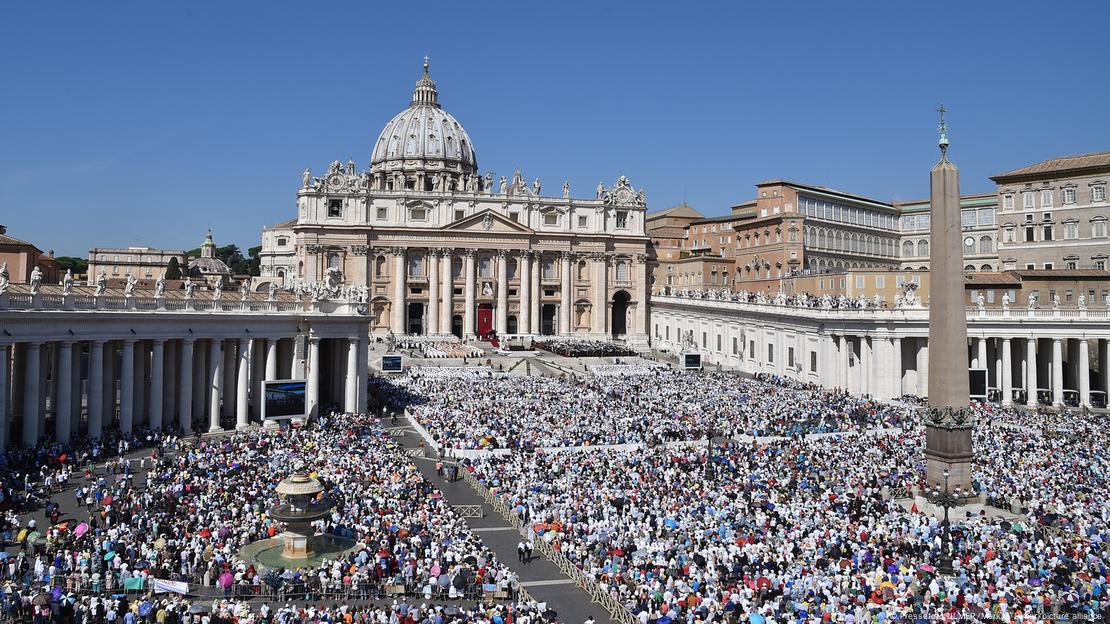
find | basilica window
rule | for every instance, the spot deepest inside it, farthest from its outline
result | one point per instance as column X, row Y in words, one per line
column 418, row 213
column 549, row 269
column 335, row 208
column 282, row 242
column 416, row 265
column 485, row 267
column 333, row 260
column 456, row 268
column 551, row 218
column 583, row 222
column 622, row 271
column 382, row 213
column 511, row 267
column 622, row 219
column 379, row 266
column 584, row 275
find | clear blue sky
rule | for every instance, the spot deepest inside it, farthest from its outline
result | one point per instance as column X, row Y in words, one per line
column 142, row 123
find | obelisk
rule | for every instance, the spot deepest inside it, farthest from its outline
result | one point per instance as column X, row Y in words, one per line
column 949, row 421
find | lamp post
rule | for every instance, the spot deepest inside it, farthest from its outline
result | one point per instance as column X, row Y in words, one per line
column 947, row 499
column 709, row 456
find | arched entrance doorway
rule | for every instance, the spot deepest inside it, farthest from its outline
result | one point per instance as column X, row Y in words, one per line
column 620, row 313
column 547, row 319
column 456, row 325
column 511, row 325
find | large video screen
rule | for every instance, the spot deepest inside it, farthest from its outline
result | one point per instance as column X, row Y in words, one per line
column 391, row 364
column 691, row 360
column 283, row 399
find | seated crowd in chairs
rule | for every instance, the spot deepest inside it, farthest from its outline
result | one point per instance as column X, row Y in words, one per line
column 582, row 347
column 438, row 347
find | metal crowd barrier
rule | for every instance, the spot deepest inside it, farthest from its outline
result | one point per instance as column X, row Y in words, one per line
column 616, row 610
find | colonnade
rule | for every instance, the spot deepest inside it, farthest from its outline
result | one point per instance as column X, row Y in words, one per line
column 518, row 296
column 59, row 389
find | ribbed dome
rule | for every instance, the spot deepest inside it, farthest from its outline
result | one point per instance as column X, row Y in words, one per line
column 426, row 132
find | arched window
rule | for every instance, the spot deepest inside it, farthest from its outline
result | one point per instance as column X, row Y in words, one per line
column 485, row 266
column 456, row 267
column 970, row 267
column 549, row 269
column 986, row 245
column 583, row 273
column 969, row 246
column 333, row 260
column 986, row 267
column 907, row 249
column 512, row 268
column 379, row 266
column 923, row 248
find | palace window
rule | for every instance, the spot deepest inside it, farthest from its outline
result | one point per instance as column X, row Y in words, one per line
column 1008, row 201
column 1069, row 196
column 1098, row 193
column 986, row 245
column 1046, row 198
column 1100, row 264
column 1027, row 199
column 1071, row 263
column 1098, row 227
column 1071, row 229
column 335, row 208
column 1047, row 233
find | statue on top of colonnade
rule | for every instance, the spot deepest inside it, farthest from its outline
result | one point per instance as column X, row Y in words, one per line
column 67, row 282
column 36, row 280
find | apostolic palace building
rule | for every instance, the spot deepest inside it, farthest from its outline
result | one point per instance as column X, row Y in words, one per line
column 441, row 248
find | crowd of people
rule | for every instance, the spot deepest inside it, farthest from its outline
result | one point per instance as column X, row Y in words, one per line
column 806, row 529
column 181, row 514
column 657, row 405
column 568, row 346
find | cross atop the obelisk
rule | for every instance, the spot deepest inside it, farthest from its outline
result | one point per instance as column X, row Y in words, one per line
column 943, row 130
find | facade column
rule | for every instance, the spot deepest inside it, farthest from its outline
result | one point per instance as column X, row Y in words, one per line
column 350, row 397
column 524, row 279
column 127, row 387
column 1084, row 373
column 5, row 409
column 896, row 368
column 95, row 389
column 981, row 358
column 433, row 294
column 185, row 389
column 313, row 384
column 1007, row 373
column 32, row 378
column 1057, row 372
column 468, row 295
column 363, row 372
column 397, row 306
column 502, row 292
column 923, row 368
column 1031, row 373
column 601, row 295
column 64, row 384
column 535, row 299
column 565, row 326
column 447, row 286
column 639, row 332
column 157, row 370
column 215, row 383
column 243, row 386
column 1104, row 365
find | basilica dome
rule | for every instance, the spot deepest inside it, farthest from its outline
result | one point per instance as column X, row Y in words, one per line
column 424, row 137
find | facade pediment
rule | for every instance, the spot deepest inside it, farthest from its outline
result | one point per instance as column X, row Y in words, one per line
column 488, row 221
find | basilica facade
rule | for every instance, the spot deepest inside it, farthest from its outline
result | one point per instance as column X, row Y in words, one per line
column 437, row 247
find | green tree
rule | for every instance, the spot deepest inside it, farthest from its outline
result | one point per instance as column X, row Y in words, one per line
column 77, row 265
column 255, row 260
column 173, row 269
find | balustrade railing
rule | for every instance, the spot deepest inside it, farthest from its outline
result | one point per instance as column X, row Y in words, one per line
column 84, row 301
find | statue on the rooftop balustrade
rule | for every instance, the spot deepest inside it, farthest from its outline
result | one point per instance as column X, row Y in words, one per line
column 190, row 287
column 129, row 286
column 245, row 289
column 5, row 278
column 160, row 286
column 67, row 282
column 101, row 284
column 36, row 280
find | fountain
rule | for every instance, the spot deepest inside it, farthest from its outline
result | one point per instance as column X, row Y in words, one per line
column 299, row 546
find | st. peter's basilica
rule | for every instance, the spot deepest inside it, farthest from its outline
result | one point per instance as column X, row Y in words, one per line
column 440, row 248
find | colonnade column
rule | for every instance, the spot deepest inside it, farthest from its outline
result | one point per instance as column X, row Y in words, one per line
column 433, row 295
column 845, row 362
column 32, row 364
column 242, row 387
column 468, row 292
column 1007, row 373
column 1104, row 365
column 313, row 384
column 272, row 345
column 535, row 300
column 227, row 405
column 185, row 408
column 981, row 351
column 64, row 384
column 896, row 368
column 923, row 368
column 564, row 294
column 1057, row 372
column 350, row 398
column 138, row 408
column 127, row 386
column 524, row 275
column 169, row 383
column 96, row 388
column 363, row 372
column 502, row 292
column 397, row 309
column 5, row 375
column 157, row 362
column 216, row 381
column 865, row 365
column 446, row 284
column 1031, row 373
column 1084, row 373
